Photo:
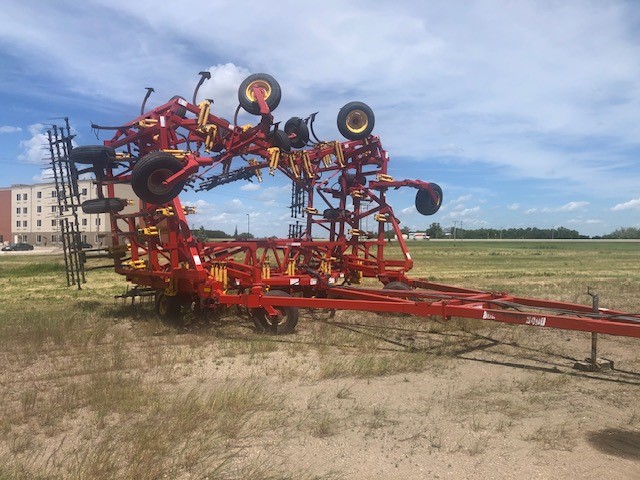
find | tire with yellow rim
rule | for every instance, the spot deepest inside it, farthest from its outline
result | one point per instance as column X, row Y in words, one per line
column 356, row 120
column 270, row 90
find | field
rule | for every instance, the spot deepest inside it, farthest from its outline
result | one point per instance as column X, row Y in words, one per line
column 94, row 388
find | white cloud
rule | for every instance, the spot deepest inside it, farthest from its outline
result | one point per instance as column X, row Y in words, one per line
column 250, row 187
column 529, row 211
column 35, row 149
column 408, row 210
column 633, row 204
column 9, row 129
column 571, row 206
column 513, row 206
column 222, row 88
column 508, row 88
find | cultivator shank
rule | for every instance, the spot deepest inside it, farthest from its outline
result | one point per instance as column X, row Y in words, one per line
column 339, row 187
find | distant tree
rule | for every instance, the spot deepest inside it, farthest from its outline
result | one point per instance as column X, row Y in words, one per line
column 244, row 236
column 435, row 231
column 389, row 234
column 623, row 233
column 201, row 234
column 405, row 230
column 216, row 234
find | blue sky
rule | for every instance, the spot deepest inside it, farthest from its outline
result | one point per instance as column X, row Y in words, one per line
column 527, row 113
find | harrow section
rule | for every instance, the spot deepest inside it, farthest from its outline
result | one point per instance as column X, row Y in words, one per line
column 338, row 186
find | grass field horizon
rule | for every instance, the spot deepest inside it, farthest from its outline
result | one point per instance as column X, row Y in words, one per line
column 94, row 388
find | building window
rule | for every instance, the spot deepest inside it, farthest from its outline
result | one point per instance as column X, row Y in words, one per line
column 38, row 238
column 18, row 224
column 84, row 238
column 84, row 222
column 19, row 196
column 53, row 223
column 98, row 221
column 84, row 191
column 39, row 209
column 53, row 238
column 53, row 209
column 24, row 223
column 24, row 196
column 18, row 210
column 24, row 210
column 38, row 223
column 38, row 194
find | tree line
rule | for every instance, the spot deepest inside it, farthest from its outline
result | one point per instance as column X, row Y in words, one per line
column 435, row 230
column 529, row 233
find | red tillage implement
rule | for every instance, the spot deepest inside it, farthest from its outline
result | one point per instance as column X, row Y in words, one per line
column 337, row 188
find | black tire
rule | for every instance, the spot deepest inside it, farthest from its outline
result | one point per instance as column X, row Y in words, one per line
column 268, row 84
column 396, row 286
column 168, row 308
column 425, row 203
column 148, row 174
column 278, row 138
column 284, row 323
column 356, row 120
column 351, row 178
column 179, row 110
column 332, row 214
column 92, row 155
column 104, row 205
column 299, row 131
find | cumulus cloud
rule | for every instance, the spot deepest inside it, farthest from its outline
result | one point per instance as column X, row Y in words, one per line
column 35, row 149
column 633, row 204
column 9, row 129
column 505, row 87
column 222, row 88
column 513, row 206
column 250, row 187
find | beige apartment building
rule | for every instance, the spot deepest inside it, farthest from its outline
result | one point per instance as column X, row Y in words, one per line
column 35, row 216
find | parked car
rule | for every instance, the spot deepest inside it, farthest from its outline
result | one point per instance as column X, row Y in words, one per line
column 17, row 247
column 84, row 245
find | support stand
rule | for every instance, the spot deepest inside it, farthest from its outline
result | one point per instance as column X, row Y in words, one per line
column 593, row 363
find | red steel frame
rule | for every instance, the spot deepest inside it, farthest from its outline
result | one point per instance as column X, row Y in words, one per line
column 154, row 247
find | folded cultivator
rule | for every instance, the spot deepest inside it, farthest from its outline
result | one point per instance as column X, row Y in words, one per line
column 337, row 188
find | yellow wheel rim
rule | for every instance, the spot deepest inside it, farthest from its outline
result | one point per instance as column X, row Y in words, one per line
column 357, row 121
column 262, row 85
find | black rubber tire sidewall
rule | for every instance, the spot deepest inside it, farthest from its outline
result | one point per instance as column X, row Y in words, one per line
column 145, row 167
column 292, row 314
column 425, row 204
column 342, row 120
column 92, row 155
column 103, row 205
column 296, row 125
column 254, row 107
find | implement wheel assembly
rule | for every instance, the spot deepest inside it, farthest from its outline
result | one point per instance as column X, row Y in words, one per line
column 298, row 132
column 148, row 176
column 356, row 120
column 92, row 155
column 284, row 322
column 426, row 204
column 280, row 139
column 168, row 308
column 104, row 205
column 270, row 90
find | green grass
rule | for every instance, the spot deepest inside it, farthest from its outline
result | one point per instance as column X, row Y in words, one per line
column 92, row 388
